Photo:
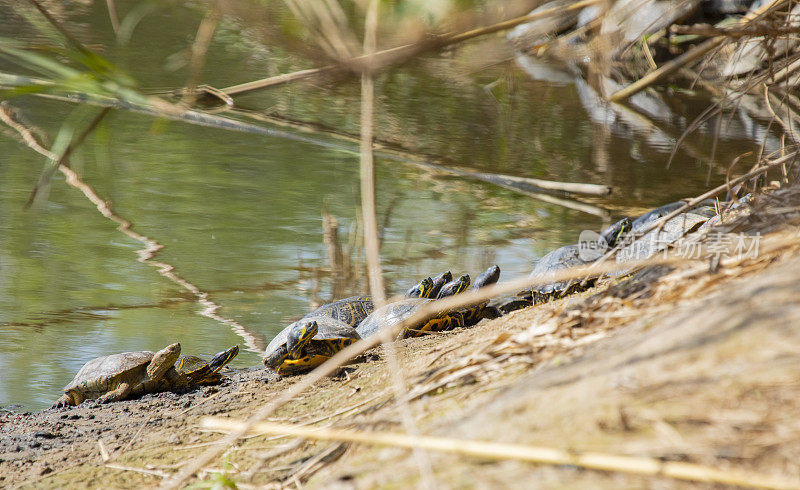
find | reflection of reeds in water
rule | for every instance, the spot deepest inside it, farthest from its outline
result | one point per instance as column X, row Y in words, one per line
column 345, row 260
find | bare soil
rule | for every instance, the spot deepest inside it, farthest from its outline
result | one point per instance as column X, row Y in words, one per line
column 682, row 363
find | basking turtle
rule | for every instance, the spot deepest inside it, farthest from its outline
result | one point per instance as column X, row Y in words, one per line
column 649, row 217
column 120, row 376
column 475, row 313
column 389, row 315
column 567, row 257
column 707, row 207
column 453, row 287
column 307, row 343
column 438, row 283
column 206, row 372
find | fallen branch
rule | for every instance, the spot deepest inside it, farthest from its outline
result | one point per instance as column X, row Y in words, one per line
column 518, row 452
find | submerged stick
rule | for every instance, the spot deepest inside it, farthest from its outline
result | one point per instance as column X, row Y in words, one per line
column 550, row 185
column 518, row 452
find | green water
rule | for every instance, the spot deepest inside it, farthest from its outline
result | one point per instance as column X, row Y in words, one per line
column 239, row 216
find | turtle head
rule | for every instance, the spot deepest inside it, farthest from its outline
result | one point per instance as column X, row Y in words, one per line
column 454, row 287
column 299, row 337
column 421, row 289
column 614, row 233
column 163, row 360
column 487, row 277
column 440, row 281
column 220, row 359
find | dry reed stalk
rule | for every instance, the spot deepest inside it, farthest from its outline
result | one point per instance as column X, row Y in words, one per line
column 113, row 17
column 72, row 40
column 401, row 154
column 202, row 40
column 534, row 454
column 371, row 240
column 63, row 159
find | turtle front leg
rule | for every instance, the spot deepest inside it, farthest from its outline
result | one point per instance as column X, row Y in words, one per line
column 66, row 400
column 455, row 319
column 122, row 392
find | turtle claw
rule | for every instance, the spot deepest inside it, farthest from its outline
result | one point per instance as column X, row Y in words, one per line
column 63, row 402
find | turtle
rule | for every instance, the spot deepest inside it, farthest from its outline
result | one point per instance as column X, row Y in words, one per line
column 192, row 366
column 453, row 287
column 393, row 313
column 119, row 376
column 707, row 207
column 307, row 343
column 567, row 257
column 475, row 313
column 647, row 218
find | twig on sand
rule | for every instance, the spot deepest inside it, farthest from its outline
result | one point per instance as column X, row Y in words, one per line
column 184, row 411
column 134, row 438
column 103, row 451
column 145, row 471
column 533, row 454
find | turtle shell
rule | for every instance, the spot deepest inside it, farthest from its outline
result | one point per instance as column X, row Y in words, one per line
column 657, row 240
column 389, row 315
column 110, row 368
column 557, row 260
column 647, row 218
column 350, row 310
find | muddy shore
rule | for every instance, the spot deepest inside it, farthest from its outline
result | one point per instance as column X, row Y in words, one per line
column 682, row 363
